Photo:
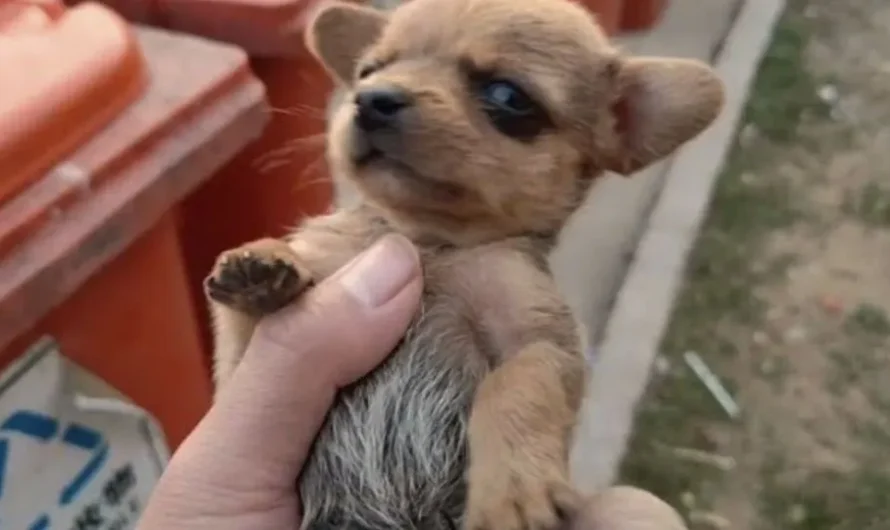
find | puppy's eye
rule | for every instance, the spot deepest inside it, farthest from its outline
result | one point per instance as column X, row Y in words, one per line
column 367, row 69
column 511, row 110
column 507, row 97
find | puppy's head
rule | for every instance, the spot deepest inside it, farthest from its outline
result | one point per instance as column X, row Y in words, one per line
column 478, row 119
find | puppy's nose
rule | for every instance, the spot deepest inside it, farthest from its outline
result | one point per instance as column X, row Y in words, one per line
column 380, row 107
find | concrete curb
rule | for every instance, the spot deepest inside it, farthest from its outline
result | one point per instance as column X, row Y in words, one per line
column 640, row 316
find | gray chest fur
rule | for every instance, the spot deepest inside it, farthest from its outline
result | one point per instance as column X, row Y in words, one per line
column 393, row 452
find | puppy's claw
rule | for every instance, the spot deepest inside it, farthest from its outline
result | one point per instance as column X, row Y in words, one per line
column 524, row 505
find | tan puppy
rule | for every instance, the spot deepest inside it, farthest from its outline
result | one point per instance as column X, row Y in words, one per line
column 474, row 127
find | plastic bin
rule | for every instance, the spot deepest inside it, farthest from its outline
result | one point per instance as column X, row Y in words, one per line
column 79, row 87
column 72, row 448
column 281, row 177
column 608, row 13
column 639, row 15
column 90, row 246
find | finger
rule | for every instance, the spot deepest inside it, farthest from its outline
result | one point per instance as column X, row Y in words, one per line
column 348, row 324
column 626, row 508
column 272, row 407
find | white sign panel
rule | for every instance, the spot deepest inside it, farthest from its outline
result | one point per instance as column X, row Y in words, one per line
column 69, row 458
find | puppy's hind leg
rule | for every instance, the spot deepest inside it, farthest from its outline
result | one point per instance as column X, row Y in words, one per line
column 246, row 284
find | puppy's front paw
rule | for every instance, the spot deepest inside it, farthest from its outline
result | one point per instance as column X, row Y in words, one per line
column 521, row 502
column 258, row 278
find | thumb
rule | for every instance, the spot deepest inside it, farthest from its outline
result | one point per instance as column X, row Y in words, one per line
column 264, row 421
column 346, row 325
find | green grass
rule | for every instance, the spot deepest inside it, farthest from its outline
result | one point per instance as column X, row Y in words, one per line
column 719, row 310
column 870, row 204
column 830, row 501
column 860, row 356
column 786, row 92
column 868, row 319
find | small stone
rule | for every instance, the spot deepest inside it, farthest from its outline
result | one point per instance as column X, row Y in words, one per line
column 795, row 335
column 760, row 338
column 687, row 498
column 797, row 514
column 829, row 94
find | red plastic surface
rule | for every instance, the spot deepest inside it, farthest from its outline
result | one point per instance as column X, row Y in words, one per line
column 83, row 68
column 133, row 325
column 641, row 14
column 279, row 178
column 608, row 13
column 91, row 250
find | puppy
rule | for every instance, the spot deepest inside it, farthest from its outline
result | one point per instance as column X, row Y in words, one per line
column 475, row 128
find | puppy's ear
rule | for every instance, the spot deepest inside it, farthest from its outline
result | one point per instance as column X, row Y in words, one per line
column 339, row 33
column 662, row 104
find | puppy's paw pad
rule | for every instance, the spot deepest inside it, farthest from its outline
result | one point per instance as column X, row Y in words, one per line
column 255, row 282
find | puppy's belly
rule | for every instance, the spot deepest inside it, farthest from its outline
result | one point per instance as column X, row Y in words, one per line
column 393, row 453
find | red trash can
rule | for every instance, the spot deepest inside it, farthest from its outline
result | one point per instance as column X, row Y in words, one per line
column 639, row 15
column 279, row 178
column 608, row 13
column 100, row 142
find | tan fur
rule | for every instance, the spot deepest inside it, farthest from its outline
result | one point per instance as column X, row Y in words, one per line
column 494, row 359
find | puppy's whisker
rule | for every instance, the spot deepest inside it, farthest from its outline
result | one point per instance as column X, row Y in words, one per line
column 317, row 166
column 285, row 153
column 271, row 165
column 296, row 144
column 300, row 111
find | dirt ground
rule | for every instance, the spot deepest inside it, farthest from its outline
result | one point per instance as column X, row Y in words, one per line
column 787, row 299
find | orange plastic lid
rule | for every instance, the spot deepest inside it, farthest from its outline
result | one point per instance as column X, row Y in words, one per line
column 65, row 75
column 202, row 104
column 262, row 27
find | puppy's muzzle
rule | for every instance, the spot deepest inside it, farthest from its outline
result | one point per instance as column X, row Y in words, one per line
column 378, row 122
column 380, row 108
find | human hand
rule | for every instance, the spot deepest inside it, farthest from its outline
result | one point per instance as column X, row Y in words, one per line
column 238, row 468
